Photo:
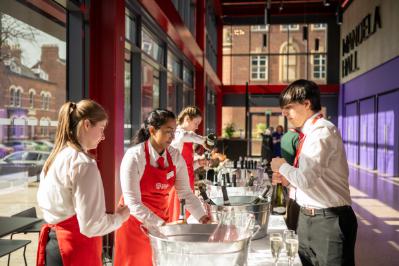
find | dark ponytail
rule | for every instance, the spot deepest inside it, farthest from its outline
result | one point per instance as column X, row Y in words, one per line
column 156, row 118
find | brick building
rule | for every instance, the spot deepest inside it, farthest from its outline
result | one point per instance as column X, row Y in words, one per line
column 32, row 96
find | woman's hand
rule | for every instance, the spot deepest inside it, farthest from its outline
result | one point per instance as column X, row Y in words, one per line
column 123, row 211
column 205, row 219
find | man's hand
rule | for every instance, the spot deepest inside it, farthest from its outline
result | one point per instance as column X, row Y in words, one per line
column 278, row 178
column 276, row 163
column 202, row 162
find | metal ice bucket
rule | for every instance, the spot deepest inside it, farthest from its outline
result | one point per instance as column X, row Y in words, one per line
column 242, row 204
column 216, row 191
column 187, row 245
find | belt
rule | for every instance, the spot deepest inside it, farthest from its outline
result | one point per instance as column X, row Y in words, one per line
column 333, row 210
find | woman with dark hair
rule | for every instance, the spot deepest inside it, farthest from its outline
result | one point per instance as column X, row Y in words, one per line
column 149, row 170
column 71, row 193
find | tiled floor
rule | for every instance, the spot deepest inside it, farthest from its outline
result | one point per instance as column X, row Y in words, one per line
column 375, row 201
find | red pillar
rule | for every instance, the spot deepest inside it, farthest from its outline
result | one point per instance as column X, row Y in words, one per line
column 199, row 71
column 107, row 37
column 219, row 95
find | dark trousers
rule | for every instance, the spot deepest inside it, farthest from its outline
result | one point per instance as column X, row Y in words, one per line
column 53, row 256
column 292, row 214
column 328, row 238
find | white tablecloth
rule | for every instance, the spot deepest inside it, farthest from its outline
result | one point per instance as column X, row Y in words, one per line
column 260, row 252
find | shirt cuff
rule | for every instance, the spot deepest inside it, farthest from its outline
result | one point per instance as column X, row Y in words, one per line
column 198, row 212
column 284, row 170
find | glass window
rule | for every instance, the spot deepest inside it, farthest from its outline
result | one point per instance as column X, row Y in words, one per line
column 260, row 28
column 258, row 67
column 31, row 99
column 128, row 103
column 319, row 66
column 151, row 47
column 150, row 86
column 33, row 81
column 18, row 98
column 173, row 64
column 319, row 26
column 291, row 27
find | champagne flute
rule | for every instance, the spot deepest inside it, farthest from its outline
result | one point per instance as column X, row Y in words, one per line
column 276, row 244
column 292, row 244
column 287, row 234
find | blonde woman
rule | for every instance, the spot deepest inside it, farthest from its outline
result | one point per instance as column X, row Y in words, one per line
column 185, row 137
column 71, row 193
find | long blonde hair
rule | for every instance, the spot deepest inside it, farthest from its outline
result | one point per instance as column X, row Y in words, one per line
column 70, row 119
column 190, row 111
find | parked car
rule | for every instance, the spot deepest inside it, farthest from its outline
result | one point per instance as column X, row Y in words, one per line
column 44, row 145
column 21, row 161
column 5, row 150
column 21, row 145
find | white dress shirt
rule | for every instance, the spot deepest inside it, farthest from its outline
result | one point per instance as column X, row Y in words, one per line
column 322, row 177
column 132, row 169
column 182, row 136
column 72, row 186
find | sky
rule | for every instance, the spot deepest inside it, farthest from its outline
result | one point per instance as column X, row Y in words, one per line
column 31, row 51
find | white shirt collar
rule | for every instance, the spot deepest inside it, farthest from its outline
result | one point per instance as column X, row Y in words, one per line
column 309, row 123
column 153, row 153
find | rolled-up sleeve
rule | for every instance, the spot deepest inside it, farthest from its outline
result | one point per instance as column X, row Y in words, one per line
column 89, row 202
column 183, row 189
column 130, row 182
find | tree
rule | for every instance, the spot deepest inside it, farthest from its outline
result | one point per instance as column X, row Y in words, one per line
column 12, row 31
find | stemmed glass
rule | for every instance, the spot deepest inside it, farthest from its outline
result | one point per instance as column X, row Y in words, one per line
column 276, row 244
column 291, row 246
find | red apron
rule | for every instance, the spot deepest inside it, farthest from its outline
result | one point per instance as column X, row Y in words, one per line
column 75, row 248
column 132, row 246
column 174, row 204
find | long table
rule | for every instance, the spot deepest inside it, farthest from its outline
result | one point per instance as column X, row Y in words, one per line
column 260, row 252
column 9, row 225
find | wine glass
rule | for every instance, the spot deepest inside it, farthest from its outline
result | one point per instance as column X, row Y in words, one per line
column 286, row 234
column 291, row 246
column 276, row 244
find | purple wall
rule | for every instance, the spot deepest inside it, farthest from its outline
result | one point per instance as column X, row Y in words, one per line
column 372, row 130
column 367, row 133
column 378, row 80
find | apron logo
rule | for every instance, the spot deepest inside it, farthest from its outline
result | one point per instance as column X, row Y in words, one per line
column 170, row 175
column 161, row 186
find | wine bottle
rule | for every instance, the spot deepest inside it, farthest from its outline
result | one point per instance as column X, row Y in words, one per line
column 263, row 196
column 182, row 215
column 228, row 183
column 234, row 180
column 278, row 200
column 235, row 164
column 215, row 179
column 209, row 174
column 223, row 181
column 205, row 196
column 250, row 181
column 226, row 201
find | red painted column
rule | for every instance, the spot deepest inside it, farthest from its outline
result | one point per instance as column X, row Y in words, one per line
column 219, row 93
column 107, row 32
column 199, row 71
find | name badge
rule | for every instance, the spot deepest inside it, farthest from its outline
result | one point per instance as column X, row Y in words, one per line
column 170, row 175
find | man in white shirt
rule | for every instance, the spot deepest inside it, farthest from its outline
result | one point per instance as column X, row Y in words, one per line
column 327, row 224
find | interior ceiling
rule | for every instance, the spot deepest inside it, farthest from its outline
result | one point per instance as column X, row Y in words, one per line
column 231, row 9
